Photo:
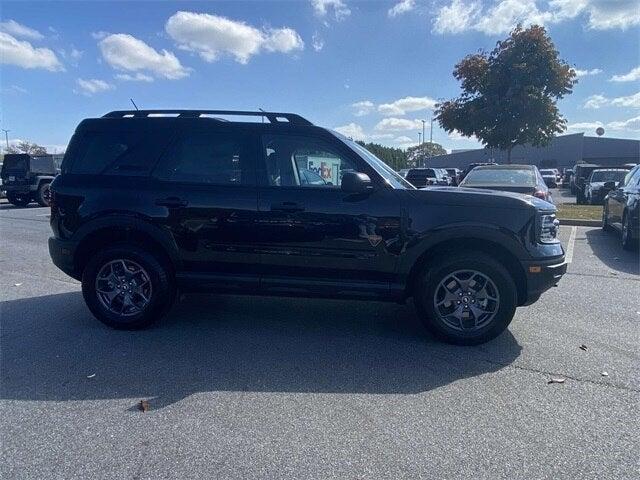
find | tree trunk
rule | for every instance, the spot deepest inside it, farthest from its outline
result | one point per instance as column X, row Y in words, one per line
column 509, row 155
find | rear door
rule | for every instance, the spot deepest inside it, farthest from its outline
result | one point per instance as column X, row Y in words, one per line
column 205, row 195
column 315, row 230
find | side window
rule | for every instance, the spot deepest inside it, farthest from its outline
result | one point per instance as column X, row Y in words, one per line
column 303, row 162
column 117, row 153
column 208, row 157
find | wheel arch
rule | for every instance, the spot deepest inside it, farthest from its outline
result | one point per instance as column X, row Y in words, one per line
column 470, row 243
column 114, row 229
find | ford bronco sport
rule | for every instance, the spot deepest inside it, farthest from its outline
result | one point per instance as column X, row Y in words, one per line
column 151, row 202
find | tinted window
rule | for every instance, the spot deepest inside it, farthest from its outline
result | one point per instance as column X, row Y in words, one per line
column 303, row 161
column 14, row 163
column 493, row 176
column 208, row 157
column 116, row 153
column 42, row 165
column 608, row 176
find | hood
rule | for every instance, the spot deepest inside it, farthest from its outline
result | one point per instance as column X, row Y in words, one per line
column 476, row 197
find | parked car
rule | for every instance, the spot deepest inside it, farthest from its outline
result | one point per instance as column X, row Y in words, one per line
column 454, row 174
column 471, row 166
column 524, row 179
column 550, row 177
column 566, row 177
column 621, row 209
column 147, row 204
column 582, row 173
column 27, row 178
column 423, row 177
column 600, row 182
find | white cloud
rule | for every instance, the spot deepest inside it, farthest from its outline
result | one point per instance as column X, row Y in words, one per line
column 456, row 17
column 398, row 125
column 125, row 52
column 23, row 54
column 632, row 76
column 212, row 36
column 457, row 136
column 317, row 42
column 20, row 31
column 322, row 8
column 138, row 77
column 629, row 125
column 13, row 89
column 503, row 15
column 407, row 104
column 585, row 73
column 352, row 130
column 92, row 86
column 362, row 108
column 402, row 7
column 599, row 101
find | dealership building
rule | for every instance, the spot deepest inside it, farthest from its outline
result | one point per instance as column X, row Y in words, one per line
column 562, row 152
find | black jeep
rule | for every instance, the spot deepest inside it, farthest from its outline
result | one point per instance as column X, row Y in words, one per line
column 149, row 202
column 27, row 178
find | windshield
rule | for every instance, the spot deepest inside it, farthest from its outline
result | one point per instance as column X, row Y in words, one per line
column 608, row 175
column 393, row 178
column 497, row 177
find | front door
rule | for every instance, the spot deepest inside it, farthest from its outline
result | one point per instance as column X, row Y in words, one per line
column 206, row 198
column 309, row 228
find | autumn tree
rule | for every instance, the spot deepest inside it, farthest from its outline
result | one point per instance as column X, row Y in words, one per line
column 509, row 96
column 27, row 147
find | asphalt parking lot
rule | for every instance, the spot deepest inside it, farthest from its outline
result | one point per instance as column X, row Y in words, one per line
column 248, row 387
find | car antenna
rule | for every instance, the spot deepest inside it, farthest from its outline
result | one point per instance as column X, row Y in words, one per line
column 262, row 115
column 134, row 104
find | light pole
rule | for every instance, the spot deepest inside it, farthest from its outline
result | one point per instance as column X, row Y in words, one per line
column 423, row 137
column 6, row 137
column 431, row 134
column 419, row 138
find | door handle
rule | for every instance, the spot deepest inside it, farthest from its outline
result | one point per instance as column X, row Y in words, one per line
column 171, row 202
column 289, row 207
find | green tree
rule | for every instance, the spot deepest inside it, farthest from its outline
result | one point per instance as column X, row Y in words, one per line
column 394, row 157
column 416, row 156
column 509, row 95
column 27, row 147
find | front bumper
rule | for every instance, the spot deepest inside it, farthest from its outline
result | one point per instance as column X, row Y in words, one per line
column 62, row 253
column 541, row 275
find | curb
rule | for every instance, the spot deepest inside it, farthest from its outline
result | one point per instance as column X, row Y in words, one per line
column 580, row 223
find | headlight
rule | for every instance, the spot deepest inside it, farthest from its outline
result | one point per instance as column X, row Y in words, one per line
column 548, row 228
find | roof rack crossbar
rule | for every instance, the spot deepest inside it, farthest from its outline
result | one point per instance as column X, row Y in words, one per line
column 273, row 117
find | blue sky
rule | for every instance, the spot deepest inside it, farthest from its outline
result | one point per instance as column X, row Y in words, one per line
column 370, row 69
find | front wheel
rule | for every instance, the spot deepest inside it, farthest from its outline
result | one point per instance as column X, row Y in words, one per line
column 43, row 195
column 467, row 298
column 126, row 287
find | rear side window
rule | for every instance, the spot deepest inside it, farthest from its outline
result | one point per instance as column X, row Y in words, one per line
column 116, row 153
column 209, row 157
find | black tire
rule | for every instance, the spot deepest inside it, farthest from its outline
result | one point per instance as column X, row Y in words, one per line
column 431, row 277
column 605, row 219
column 580, row 198
column 628, row 243
column 42, row 195
column 162, row 284
column 18, row 200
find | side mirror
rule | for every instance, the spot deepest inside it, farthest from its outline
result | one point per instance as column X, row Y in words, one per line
column 355, row 182
column 609, row 185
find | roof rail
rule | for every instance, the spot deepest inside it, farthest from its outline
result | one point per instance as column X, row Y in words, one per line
column 274, row 117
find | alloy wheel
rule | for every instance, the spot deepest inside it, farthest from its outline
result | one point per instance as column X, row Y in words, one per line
column 123, row 287
column 466, row 300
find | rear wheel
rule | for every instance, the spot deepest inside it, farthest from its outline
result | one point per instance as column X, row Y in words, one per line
column 467, row 298
column 126, row 287
column 18, row 199
column 43, row 195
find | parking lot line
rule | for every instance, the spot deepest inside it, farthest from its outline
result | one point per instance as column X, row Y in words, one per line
column 571, row 244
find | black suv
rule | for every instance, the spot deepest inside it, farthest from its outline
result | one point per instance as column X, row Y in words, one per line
column 149, row 202
column 27, row 178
